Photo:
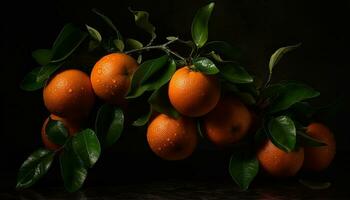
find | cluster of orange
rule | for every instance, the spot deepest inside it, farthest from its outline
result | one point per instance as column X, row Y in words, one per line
column 70, row 95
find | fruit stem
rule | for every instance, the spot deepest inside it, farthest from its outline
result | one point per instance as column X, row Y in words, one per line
column 163, row 47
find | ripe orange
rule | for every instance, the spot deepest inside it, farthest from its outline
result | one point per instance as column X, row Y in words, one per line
column 72, row 126
column 279, row 163
column 193, row 93
column 319, row 158
column 172, row 139
column 228, row 122
column 69, row 94
column 111, row 76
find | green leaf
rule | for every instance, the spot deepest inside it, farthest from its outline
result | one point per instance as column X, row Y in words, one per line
column 73, row 170
column 133, row 44
column 119, row 44
column 35, row 167
column 67, row 42
column 160, row 102
column 30, row 82
column 108, row 22
column 87, row 147
column 56, row 132
column 94, row 33
column 109, row 124
column 246, row 97
column 142, row 21
column 47, row 70
column 290, row 93
column 199, row 28
column 243, row 168
column 42, row 56
column 151, row 75
column 205, row 65
column 143, row 119
column 283, row 133
column 276, row 57
column 234, row 73
column 307, row 141
column 315, row 185
column 223, row 49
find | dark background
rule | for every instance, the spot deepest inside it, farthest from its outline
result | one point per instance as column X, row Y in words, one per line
column 259, row 27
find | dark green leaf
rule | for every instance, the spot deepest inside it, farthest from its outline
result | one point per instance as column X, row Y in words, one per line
column 276, row 57
column 35, row 167
column 47, row 70
column 94, row 33
column 142, row 21
column 160, row 102
column 73, row 170
column 42, row 56
column 302, row 109
column 205, row 65
column 119, row 44
column 87, row 147
column 133, row 44
column 143, row 119
column 30, row 82
column 307, row 141
column 151, row 75
column 282, row 132
column 56, row 132
column 315, row 185
column 109, row 124
column 223, row 49
column 109, row 23
column 234, row 73
column 243, row 168
column 247, row 98
column 67, row 42
column 290, row 93
column 199, row 28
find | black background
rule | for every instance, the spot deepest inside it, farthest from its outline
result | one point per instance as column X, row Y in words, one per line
column 259, row 27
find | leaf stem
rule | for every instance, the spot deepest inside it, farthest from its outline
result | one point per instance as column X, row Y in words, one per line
column 163, row 47
column 267, row 83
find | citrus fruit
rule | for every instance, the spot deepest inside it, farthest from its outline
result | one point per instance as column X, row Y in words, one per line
column 172, row 139
column 319, row 158
column 69, row 94
column 279, row 163
column 72, row 127
column 228, row 122
column 111, row 76
column 193, row 93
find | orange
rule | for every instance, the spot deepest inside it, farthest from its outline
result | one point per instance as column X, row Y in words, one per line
column 193, row 93
column 279, row 163
column 319, row 158
column 69, row 94
column 72, row 126
column 172, row 139
column 228, row 122
column 111, row 76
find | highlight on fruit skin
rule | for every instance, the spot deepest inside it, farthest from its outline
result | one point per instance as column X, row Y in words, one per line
column 228, row 122
column 193, row 93
column 319, row 158
column 69, row 94
column 279, row 163
column 172, row 139
column 111, row 77
column 72, row 127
